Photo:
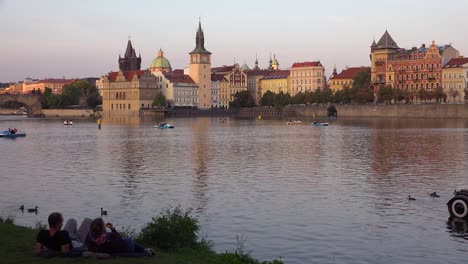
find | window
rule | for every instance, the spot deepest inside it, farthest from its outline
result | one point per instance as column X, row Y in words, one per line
column 128, row 106
column 112, row 106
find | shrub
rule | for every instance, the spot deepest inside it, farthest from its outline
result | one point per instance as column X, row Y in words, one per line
column 7, row 220
column 242, row 257
column 172, row 229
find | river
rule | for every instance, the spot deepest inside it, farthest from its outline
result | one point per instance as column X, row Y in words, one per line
column 335, row 194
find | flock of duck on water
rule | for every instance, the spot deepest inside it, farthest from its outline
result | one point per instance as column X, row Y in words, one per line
column 36, row 210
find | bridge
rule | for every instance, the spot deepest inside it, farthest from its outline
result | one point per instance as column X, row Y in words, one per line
column 32, row 103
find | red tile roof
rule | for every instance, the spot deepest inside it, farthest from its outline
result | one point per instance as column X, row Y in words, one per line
column 350, row 72
column 221, row 69
column 258, row 72
column 456, row 62
column 178, row 78
column 277, row 75
column 306, row 64
column 128, row 75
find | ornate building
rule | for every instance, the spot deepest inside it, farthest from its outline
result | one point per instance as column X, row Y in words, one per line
column 130, row 62
column 124, row 93
column 200, row 69
column 344, row 78
column 160, row 63
column 455, row 79
column 412, row 69
column 307, row 76
column 254, row 84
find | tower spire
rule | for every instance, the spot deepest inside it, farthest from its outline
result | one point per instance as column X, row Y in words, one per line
column 200, row 41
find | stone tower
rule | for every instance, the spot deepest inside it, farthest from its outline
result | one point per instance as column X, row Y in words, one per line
column 380, row 53
column 130, row 62
column 200, row 69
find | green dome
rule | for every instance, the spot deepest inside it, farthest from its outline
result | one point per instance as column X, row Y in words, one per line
column 245, row 67
column 275, row 62
column 161, row 61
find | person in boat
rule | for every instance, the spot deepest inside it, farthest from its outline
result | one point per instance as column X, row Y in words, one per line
column 70, row 122
column 65, row 122
column 315, row 122
column 101, row 241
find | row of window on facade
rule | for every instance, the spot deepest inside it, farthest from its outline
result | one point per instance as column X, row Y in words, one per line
column 460, row 75
column 121, row 106
column 319, row 81
column 186, row 93
column 415, row 77
column 306, row 74
column 341, row 82
column 120, row 96
column 417, row 67
column 454, row 86
column 416, row 86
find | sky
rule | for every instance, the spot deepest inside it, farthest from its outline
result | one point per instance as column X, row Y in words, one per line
column 78, row 39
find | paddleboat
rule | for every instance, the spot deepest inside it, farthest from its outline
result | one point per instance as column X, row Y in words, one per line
column 319, row 124
column 163, row 126
column 294, row 122
column 8, row 134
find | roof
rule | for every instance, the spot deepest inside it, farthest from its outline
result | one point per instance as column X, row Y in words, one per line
column 258, row 72
column 61, row 81
column 175, row 77
column 200, row 42
column 217, row 77
column 160, row 62
column 350, row 73
column 456, row 62
column 277, row 75
column 386, row 42
column 112, row 76
column 306, row 64
column 223, row 68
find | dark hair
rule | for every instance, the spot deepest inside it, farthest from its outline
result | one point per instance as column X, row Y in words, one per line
column 54, row 219
column 97, row 227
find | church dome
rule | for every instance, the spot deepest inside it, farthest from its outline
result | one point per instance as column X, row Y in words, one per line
column 245, row 67
column 275, row 61
column 161, row 62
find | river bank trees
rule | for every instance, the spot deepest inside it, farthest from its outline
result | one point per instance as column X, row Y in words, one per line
column 79, row 93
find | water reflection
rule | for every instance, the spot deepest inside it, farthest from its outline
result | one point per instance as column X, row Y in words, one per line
column 457, row 227
column 200, row 154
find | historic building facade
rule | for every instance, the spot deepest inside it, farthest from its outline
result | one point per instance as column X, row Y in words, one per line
column 125, row 93
column 237, row 79
column 130, row 62
column 307, row 76
column 344, row 78
column 254, row 84
column 455, row 79
column 412, row 69
column 29, row 86
column 276, row 82
column 200, row 69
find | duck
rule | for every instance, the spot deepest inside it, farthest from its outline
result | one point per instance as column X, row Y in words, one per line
column 103, row 212
column 434, row 194
column 411, row 198
column 33, row 210
column 22, row 207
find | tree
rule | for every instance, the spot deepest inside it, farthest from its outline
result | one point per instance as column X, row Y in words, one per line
column 282, row 99
column 385, row 93
column 299, row 98
column 70, row 95
column 343, row 96
column 423, row 94
column 439, row 94
column 48, row 99
column 453, row 93
column 361, row 91
column 242, row 99
column 159, row 100
column 268, row 99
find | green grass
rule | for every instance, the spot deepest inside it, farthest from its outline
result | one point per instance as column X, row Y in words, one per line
column 17, row 245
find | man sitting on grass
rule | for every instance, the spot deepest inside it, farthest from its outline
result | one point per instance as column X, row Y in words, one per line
column 53, row 242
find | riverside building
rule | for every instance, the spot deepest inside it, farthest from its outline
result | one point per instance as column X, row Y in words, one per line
column 455, row 79
column 307, row 76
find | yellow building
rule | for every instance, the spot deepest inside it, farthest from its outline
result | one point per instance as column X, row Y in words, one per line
column 125, row 93
column 276, row 82
column 344, row 78
column 254, row 83
column 307, row 76
column 455, row 79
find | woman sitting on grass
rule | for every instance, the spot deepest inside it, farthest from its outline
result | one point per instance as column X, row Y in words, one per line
column 101, row 241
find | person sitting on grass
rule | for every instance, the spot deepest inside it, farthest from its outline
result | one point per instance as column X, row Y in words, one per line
column 101, row 241
column 53, row 242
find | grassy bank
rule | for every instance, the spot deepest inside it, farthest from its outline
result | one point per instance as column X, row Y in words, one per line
column 17, row 244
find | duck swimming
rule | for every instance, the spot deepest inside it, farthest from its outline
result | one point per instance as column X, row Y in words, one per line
column 411, row 198
column 434, row 194
column 33, row 210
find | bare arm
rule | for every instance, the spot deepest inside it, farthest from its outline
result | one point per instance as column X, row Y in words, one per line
column 38, row 249
column 65, row 248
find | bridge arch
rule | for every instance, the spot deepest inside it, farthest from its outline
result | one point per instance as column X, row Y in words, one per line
column 32, row 103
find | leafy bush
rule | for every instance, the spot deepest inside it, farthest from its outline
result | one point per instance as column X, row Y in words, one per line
column 172, row 229
column 7, row 220
column 242, row 257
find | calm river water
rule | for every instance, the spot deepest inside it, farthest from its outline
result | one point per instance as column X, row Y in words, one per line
column 307, row 194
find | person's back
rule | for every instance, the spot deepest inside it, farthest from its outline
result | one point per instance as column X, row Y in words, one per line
column 54, row 239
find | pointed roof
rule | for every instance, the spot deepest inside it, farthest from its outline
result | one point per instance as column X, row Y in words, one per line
column 130, row 50
column 373, row 45
column 386, row 42
column 200, row 42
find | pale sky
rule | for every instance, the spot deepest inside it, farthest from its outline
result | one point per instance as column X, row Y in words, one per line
column 83, row 38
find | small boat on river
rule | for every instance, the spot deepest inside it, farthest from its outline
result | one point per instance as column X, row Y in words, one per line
column 319, row 124
column 163, row 126
column 294, row 122
column 10, row 134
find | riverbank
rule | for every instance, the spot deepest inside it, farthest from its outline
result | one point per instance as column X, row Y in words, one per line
column 17, row 245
